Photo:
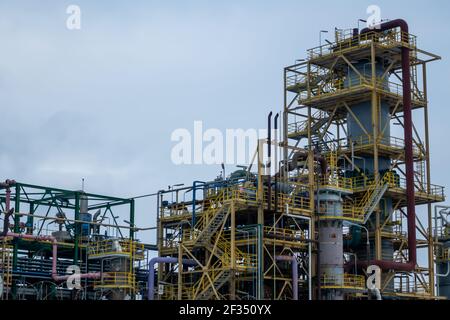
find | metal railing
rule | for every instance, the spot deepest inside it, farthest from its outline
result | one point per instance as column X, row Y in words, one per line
column 106, row 247
column 345, row 281
column 285, row 234
column 247, row 196
column 116, row 280
column 329, row 86
column 391, row 39
column 411, row 286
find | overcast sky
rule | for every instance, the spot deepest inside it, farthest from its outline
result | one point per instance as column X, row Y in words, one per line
column 100, row 103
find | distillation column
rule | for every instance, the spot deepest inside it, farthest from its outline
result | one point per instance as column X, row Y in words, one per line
column 366, row 162
column 331, row 254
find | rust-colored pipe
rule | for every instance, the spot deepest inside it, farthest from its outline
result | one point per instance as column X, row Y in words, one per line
column 409, row 161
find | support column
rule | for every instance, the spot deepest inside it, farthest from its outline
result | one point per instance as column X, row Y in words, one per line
column 260, row 197
column 16, row 241
column 180, row 271
column 428, row 179
column 375, row 134
column 233, row 253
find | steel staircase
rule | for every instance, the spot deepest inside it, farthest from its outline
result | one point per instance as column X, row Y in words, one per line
column 211, row 228
column 219, row 272
column 318, row 119
column 371, row 199
column 222, row 270
column 222, row 277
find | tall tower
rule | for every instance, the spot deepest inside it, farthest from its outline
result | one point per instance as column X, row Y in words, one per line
column 341, row 104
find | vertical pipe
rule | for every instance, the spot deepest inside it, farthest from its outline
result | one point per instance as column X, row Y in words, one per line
column 194, row 191
column 409, row 160
column 276, row 161
column 294, row 265
column 132, row 230
column 269, row 160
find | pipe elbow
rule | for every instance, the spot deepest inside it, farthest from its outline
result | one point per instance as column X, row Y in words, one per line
column 402, row 24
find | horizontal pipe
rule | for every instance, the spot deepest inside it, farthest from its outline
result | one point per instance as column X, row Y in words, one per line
column 83, row 222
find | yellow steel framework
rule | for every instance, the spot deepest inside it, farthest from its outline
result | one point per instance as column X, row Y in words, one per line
column 319, row 100
column 245, row 238
column 127, row 249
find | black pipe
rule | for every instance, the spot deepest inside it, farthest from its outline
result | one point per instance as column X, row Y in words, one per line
column 276, row 164
column 269, row 154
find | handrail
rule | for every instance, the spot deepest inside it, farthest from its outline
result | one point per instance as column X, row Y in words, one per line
column 116, row 246
column 392, row 39
column 342, row 281
column 116, row 280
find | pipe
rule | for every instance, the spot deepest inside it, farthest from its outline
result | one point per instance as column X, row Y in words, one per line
column 151, row 271
column 302, row 156
column 409, row 161
column 194, row 189
column 444, row 274
column 276, row 160
column 269, row 155
column 52, row 239
column 294, row 265
column 376, row 292
column 8, row 211
column 94, row 219
column 8, row 183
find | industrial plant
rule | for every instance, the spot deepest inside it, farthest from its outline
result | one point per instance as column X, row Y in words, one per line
column 337, row 203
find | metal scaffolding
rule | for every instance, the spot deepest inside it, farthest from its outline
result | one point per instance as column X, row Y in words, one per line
column 341, row 173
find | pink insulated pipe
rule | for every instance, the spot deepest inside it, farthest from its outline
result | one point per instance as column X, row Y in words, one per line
column 55, row 276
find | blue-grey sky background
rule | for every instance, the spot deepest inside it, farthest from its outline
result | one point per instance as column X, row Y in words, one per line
column 100, row 103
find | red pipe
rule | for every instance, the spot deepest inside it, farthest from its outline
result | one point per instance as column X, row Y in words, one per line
column 409, row 161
